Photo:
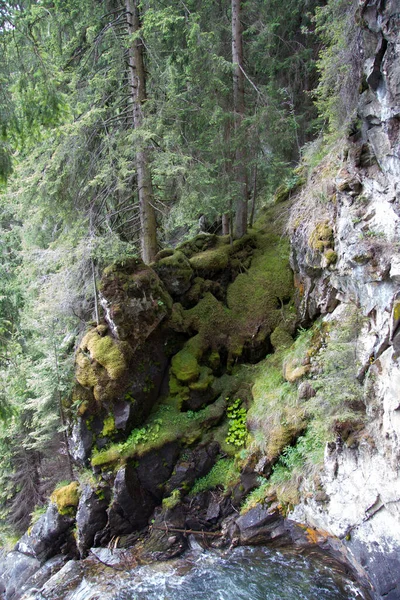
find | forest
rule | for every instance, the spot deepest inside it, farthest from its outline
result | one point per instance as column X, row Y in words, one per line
column 123, row 125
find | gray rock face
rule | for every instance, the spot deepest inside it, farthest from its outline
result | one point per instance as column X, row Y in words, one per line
column 132, row 505
column 91, row 517
column 80, row 442
column 15, row 570
column 361, row 499
column 47, row 536
column 192, row 465
column 259, row 526
column 156, row 467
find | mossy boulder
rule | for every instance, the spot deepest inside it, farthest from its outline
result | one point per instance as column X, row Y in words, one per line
column 66, row 498
column 175, row 272
column 101, row 365
column 135, row 301
column 281, row 338
column 211, row 261
column 185, row 367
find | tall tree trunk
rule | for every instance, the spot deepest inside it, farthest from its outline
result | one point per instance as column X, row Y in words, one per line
column 240, row 170
column 138, row 86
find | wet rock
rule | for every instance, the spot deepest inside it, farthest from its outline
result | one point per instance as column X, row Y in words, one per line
column 155, row 468
column 80, row 442
column 91, row 516
column 48, row 536
column 259, row 526
column 192, row 465
column 39, row 578
column 15, row 570
column 132, row 505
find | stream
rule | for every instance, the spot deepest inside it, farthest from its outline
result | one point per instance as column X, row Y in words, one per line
column 245, row 573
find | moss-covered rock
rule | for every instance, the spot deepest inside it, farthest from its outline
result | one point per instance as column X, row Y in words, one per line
column 135, row 301
column 322, row 237
column 66, row 498
column 185, row 366
column 281, row 338
column 109, row 353
column 211, row 261
column 175, row 272
column 101, row 365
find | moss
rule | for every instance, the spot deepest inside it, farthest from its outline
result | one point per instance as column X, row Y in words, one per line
column 204, row 381
column 396, row 312
column 322, row 237
column 165, row 425
column 280, row 338
column 292, row 371
column 224, row 474
column 107, row 352
column 171, row 501
column 185, row 366
column 85, row 372
column 214, row 360
column 108, row 426
column 215, row 260
column 331, row 256
column 66, row 498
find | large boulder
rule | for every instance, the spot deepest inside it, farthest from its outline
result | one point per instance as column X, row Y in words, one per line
column 132, row 505
column 49, row 535
column 91, row 516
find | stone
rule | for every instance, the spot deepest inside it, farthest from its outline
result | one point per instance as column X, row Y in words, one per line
column 155, row 468
column 91, row 516
column 192, row 465
column 48, row 536
column 175, row 272
column 305, row 391
column 15, row 570
column 135, row 301
column 259, row 526
column 80, row 442
column 132, row 505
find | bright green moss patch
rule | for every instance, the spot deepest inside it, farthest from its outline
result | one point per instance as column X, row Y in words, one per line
column 224, row 474
column 166, row 425
column 204, row 381
column 171, row 501
column 185, row 366
column 331, row 256
column 108, row 426
column 106, row 352
column 66, row 498
column 216, row 259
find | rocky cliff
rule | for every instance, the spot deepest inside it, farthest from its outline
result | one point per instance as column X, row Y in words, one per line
column 218, row 383
column 359, row 217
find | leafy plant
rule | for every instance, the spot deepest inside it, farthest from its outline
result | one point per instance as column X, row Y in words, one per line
column 237, row 416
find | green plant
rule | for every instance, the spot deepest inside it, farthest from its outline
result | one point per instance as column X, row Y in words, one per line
column 171, row 501
column 237, row 416
column 223, row 474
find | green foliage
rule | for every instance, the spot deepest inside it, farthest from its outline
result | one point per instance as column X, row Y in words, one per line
column 171, row 501
column 224, row 474
column 339, row 63
column 237, row 416
column 166, row 424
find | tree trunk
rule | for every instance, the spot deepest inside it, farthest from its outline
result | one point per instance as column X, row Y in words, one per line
column 240, row 171
column 138, row 86
column 225, row 224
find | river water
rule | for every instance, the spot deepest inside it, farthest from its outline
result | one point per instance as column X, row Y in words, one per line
column 244, row 573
